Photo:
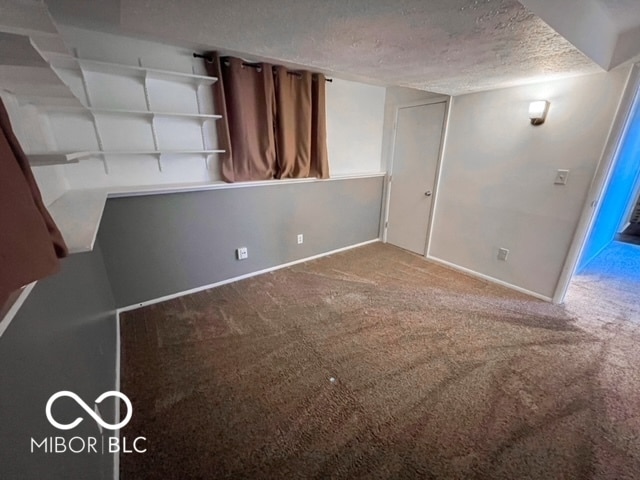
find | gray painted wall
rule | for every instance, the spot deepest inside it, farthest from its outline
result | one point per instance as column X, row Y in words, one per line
column 158, row 245
column 63, row 338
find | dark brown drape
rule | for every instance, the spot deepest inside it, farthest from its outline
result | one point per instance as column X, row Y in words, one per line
column 222, row 128
column 319, row 157
column 293, row 123
column 274, row 121
column 30, row 242
column 249, row 99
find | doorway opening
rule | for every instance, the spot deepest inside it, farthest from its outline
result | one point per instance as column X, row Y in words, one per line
column 608, row 269
column 631, row 234
column 618, row 216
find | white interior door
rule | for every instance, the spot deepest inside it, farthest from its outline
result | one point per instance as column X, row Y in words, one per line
column 413, row 174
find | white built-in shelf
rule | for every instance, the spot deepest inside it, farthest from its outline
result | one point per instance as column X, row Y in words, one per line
column 156, row 152
column 64, row 158
column 126, row 112
column 138, row 71
column 73, row 63
column 40, row 99
column 146, row 113
column 61, row 60
column 55, row 158
column 77, row 214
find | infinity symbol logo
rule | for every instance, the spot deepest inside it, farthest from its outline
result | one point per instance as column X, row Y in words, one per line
column 87, row 409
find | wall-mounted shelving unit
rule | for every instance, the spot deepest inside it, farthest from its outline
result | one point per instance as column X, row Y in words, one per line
column 149, row 127
column 161, row 139
column 57, row 60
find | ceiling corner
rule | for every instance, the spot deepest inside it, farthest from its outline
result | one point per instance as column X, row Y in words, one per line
column 627, row 47
column 584, row 23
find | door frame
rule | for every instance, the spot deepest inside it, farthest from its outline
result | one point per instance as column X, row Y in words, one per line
column 389, row 176
column 599, row 183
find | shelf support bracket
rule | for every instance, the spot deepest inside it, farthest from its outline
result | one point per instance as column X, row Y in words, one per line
column 154, row 132
column 94, row 120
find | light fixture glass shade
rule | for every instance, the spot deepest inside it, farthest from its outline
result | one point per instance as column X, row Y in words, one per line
column 538, row 111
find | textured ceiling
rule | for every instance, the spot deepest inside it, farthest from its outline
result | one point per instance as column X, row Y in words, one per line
column 444, row 46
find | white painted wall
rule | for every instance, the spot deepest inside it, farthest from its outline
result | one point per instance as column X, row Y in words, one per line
column 355, row 116
column 496, row 187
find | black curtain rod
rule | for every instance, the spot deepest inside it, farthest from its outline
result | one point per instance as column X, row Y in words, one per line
column 209, row 59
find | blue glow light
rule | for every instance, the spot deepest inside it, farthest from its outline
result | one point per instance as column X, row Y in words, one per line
column 618, row 263
column 617, row 195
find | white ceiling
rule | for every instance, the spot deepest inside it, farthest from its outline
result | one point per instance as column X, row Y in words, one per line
column 444, row 46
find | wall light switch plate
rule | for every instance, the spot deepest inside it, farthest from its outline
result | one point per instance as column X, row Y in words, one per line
column 503, row 253
column 242, row 253
column 561, row 177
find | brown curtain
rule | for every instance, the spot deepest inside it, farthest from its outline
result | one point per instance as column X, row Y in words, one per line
column 222, row 127
column 30, row 242
column 249, row 99
column 274, row 121
column 319, row 158
column 293, row 123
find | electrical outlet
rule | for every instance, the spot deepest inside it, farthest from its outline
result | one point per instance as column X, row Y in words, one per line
column 561, row 177
column 242, row 253
column 503, row 253
column 300, row 238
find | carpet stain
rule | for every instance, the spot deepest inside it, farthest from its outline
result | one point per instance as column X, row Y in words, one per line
column 375, row 363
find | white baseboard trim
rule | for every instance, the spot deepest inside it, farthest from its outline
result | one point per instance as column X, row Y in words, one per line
column 241, row 277
column 116, row 457
column 473, row 273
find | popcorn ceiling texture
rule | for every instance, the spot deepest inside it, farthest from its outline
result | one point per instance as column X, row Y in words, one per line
column 444, row 46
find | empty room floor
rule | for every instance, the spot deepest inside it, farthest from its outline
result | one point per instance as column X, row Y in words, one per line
column 375, row 363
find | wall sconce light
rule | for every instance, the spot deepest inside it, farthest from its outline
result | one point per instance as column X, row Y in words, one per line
column 538, row 111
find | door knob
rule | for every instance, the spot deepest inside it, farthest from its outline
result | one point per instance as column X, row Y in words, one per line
column 427, row 193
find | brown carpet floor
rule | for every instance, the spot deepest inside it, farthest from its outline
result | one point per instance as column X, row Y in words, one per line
column 377, row 364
